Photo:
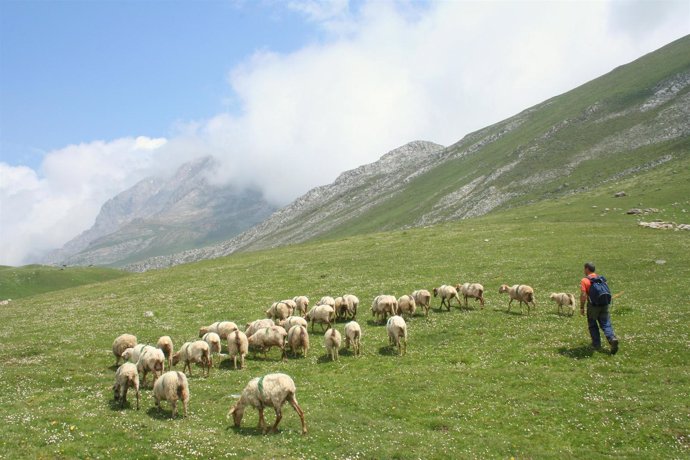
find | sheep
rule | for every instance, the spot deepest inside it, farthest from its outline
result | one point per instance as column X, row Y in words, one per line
column 397, row 333
column 301, row 304
column 340, row 308
column 126, row 376
column 172, row 386
column 406, row 304
column 564, row 301
column 258, row 324
column 222, row 328
column 214, row 344
column 472, row 290
column 322, row 314
column 194, row 352
column 151, row 359
column 384, row 305
column 132, row 354
column 327, row 300
column 267, row 338
column 332, row 340
column 520, row 292
column 238, row 345
column 278, row 311
column 353, row 335
column 271, row 390
column 422, row 297
column 292, row 305
column 352, row 302
column 290, row 321
column 165, row 344
column 121, row 343
column 298, row 338
column 447, row 294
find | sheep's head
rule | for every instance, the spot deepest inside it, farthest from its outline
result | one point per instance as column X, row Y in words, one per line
column 176, row 358
column 237, row 412
column 127, row 354
column 553, row 296
column 435, row 292
column 203, row 331
column 503, row 288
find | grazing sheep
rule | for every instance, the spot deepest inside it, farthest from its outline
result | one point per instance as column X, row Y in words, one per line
column 126, row 376
column 384, row 305
column 565, row 302
column 322, row 314
column 422, row 298
column 132, row 354
column 301, row 304
column 290, row 321
column 238, row 345
column 292, row 305
column 271, row 390
column 340, row 308
column 258, row 324
column 298, row 338
column 447, row 294
column 473, row 290
column 122, row 343
column 406, row 304
column 278, row 311
column 265, row 339
column 152, row 360
column 194, row 352
column 353, row 335
column 332, row 340
column 397, row 333
column 222, row 328
column 520, row 292
column 172, row 386
column 166, row 346
column 352, row 302
column 214, row 344
column 327, row 300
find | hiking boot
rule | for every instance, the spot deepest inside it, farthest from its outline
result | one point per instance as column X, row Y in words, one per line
column 614, row 345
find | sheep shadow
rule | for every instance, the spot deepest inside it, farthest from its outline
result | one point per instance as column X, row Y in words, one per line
column 228, row 365
column 115, row 405
column 373, row 323
column 512, row 312
column 346, row 352
column 388, row 350
column 113, row 367
column 323, row 359
column 583, row 351
column 249, row 431
column 164, row 414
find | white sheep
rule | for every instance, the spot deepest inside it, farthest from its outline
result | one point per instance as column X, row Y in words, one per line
column 397, row 333
column 322, row 314
column 406, row 304
column 327, row 300
column 265, row 339
column 238, row 345
column 121, row 343
column 132, row 354
column 301, row 304
column 447, row 294
column 422, row 297
column 172, row 387
column 520, row 292
column 165, row 344
column 332, row 340
column 353, row 335
column 565, row 302
column 194, row 352
column 471, row 290
column 292, row 306
column 222, row 328
column 278, row 311
column 258, row 324
column 214, row 343
column 352, row 302
column 271, row 390
column 126, row 376
column 384, row 305
column 340, row 308
column 290, row 321
column 152, row 360
column 298, row 339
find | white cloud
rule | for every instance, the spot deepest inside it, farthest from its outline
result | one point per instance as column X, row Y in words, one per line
column 383, row 73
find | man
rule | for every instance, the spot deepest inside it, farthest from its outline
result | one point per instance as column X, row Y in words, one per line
column 597, row 316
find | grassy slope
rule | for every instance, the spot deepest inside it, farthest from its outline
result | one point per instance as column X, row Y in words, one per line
column 18, row 282
column 475, row 383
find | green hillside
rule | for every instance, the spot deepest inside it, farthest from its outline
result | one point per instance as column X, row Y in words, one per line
column 474, row 383
column 18, row 282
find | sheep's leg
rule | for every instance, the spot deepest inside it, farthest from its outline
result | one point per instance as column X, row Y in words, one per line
column 234, row 360
column 138, row 397
column 174, row 407
column 293, row 402
column 143, row 379
column 279, row 416
column 262, row 422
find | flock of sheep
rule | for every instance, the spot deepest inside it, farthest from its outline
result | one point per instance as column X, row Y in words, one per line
column 285, row 327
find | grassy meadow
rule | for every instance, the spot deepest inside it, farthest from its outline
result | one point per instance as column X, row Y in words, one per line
column 474, row 383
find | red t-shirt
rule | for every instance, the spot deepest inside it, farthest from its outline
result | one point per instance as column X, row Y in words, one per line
column 585, row 284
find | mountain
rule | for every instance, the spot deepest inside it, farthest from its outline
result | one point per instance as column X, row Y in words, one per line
column 165, row 215
column 622, row 124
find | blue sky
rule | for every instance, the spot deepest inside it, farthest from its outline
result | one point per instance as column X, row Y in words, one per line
column 97, row 95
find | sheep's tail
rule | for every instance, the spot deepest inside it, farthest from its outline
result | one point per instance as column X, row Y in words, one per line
column 237, row 341
column 181, row 387
column 572, row 299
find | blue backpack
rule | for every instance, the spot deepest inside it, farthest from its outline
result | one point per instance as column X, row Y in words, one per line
column 599, row 292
